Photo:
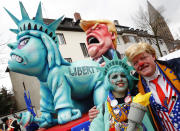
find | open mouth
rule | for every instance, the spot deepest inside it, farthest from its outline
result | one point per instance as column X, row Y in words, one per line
column 120, row 84
column 143, row 67
column 17, row 58
column 92, row 40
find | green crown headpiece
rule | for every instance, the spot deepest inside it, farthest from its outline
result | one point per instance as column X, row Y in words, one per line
column 116, row 63
column 37, row 24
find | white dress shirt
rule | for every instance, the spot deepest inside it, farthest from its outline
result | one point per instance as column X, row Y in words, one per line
column 161, row 81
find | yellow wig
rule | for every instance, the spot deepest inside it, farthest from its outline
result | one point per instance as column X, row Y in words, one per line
column 139, row 48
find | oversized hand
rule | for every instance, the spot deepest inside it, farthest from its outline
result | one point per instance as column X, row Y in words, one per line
column 46, row 120
column 25, row 118
column 68, row 114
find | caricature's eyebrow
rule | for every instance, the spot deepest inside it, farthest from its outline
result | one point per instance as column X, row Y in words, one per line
column 95, row 26
column 23, row 38
column 21, row 34
column 30, row 33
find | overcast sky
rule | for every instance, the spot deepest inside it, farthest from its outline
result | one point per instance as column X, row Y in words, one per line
column 121, row 10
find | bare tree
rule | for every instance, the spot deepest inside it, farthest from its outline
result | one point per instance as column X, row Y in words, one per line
column 150, row 21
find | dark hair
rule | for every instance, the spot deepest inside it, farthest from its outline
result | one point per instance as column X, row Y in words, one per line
column 4, row 119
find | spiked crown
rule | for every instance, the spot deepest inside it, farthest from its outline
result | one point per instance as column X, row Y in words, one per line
column 115, row 62
column 117, row 65
column 37, row 24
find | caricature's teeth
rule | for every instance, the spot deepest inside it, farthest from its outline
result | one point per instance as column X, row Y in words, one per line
column 17, row 58
column 20, row 59
column 117, row 83
column 90, row 39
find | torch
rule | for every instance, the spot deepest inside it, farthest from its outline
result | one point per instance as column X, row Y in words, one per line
column 137, row 110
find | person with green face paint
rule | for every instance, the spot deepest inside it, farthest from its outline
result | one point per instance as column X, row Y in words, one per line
column 113, row 113
column 119, row 83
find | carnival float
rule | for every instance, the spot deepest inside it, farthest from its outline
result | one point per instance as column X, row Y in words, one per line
column 67, row 90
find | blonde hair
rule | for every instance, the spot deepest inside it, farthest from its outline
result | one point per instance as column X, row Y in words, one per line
column 139, row 48
column 86, row 24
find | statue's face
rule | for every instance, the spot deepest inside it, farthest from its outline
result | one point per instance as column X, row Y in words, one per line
column 118, row 81
column 28, row 55
column 99, row 40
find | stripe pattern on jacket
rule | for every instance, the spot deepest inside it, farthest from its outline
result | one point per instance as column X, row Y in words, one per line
column 173, row 109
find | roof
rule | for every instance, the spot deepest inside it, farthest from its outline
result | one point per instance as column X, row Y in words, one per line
column 175, row 54
column 67, row 24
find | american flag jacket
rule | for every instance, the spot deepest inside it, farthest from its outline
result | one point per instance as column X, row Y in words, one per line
column 160, row 116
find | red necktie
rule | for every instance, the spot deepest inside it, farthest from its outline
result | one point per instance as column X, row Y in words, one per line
column 160, row 92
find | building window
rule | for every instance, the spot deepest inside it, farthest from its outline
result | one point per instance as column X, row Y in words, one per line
column 132, row 39
column 84, row 49
column 143, row 39
column 149, row 41
column 61, row 38
column 118, row 29
column 126, row 39
column 164, row 52
column 161, row 42
column 68, row 59
column 138, row 39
